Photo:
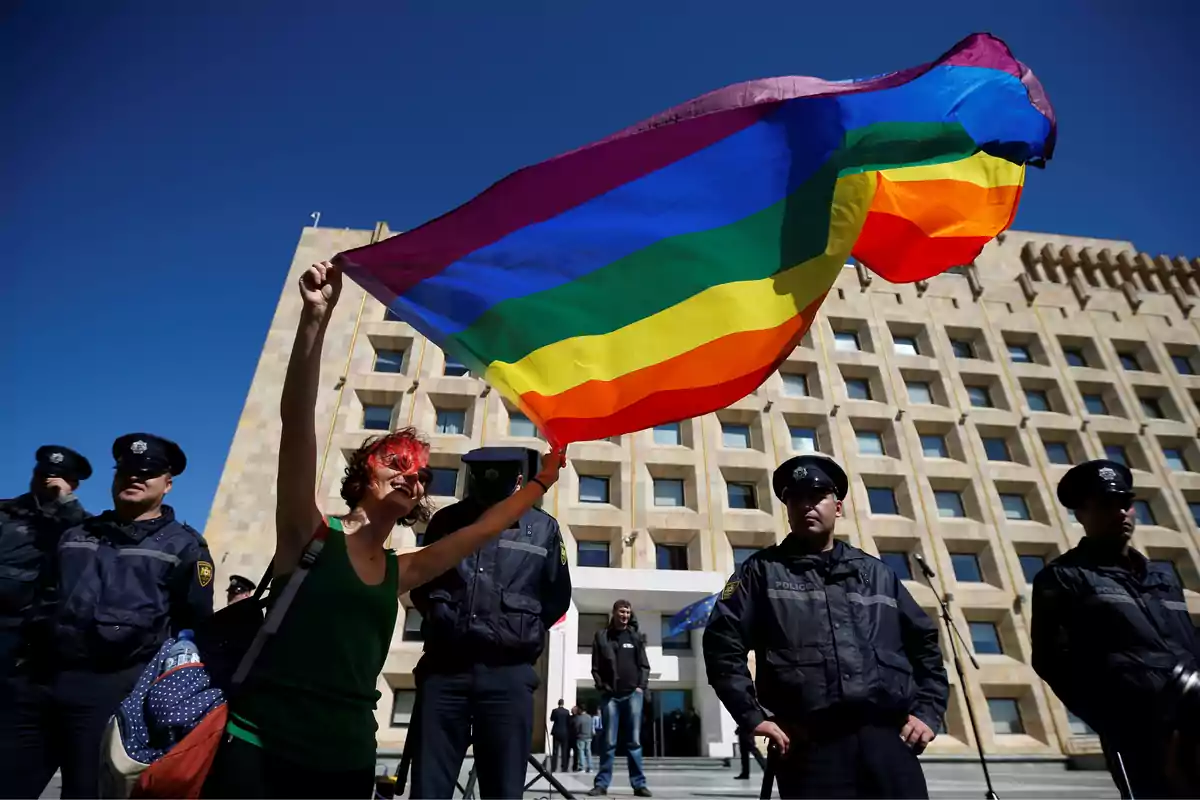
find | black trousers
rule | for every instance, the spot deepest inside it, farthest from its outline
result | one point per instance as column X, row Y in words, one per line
column 1145, row 762
column 745, row 745
column 56, row 721
column 867, row 762
column 242, row 770
column 487, row 706
column 560, row 754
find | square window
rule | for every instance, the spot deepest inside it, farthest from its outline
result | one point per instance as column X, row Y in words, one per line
column 668, row 492
column 1183, row 365
column 454, row 369
column 391, row 316
column 1057, row 452
column 451, row 421
column 1194, row 507
column 962, row 348
column 870, row 443
column 949, row 503
column 1074, row 357
column 1031, row 566
column 1078, row 727
column 1006, row 716
column 740, row 554
column 996, row 448
column 671, row 556
column 1015, row 507
column 1144, row 513
column 377, row 418
column 906, row 345
column 979, row 396
column 443, row 481
column 389, row 361
column 403, row 701
column 1020, row 354
column 1129, row 362
column 845, row 341
column 420, row 537
column 1116, row 452
column 735, row 436
column 966, row 568
column 1037, row 399
column 1175, row 459
column 985, row 639
column 804, row 440
column 669, row 434
column 1094, row 403
column 592, row 554
column 795, row 384
column 1152, row 408
column 882, row 500
column 589, row 626
column 412, row 626
column 933, row 445
column 680, row 641
column 593, row 489
column 919, row 392
column 521, row 425
column 858, row 389
column 741, row 495
column 897, row 562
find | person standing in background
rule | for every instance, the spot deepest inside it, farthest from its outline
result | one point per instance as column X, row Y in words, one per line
column 583, row 726
column 560, row 732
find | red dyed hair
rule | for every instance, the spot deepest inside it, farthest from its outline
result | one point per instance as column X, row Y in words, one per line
column 406, row 450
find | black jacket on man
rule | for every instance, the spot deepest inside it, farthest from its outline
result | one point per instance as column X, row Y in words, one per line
column 604, row 658
column 496, row 606
column 832, row 632
column 29, row 534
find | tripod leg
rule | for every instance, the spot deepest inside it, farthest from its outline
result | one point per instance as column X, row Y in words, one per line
column 768, row 774
column 553, row 781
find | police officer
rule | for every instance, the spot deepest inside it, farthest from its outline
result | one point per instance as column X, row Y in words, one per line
column 484, row 626
column 1109, row 627
column 850, row 679
column 125, row 581
column 239, row 588
column 30, row 526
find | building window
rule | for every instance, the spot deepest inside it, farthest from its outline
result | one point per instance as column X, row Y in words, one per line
column 804, row 440
column 966, row 568
column 593, row 489
column 933, row 445
column 1015, row 507
column 592, row 554
column 740, row 554
column 402, row 706
column 1037, row 399
column 680, row 641
column 949, row 503
column 979, row 396
column 1116, row 452
column 391, row 316
column 443, row 482
column 1094, row 403
column 882, row 500
column 1057, row 452
column 412, row 626
column 668, row 492
column 1143, row 513
column 741, row 495
column 1078, row 727
column 1129, row 362
column 1175, row 459
column 906, row 345
column 858, row 389
column 451, row 421
column 671, row 556
column 1006, row 716
column 377, row 418
column 985, row 639
column 389, row 361
column 589, row 626
column 734, row 436
column 521, row 425
column 1074, row 357
column 455, row 369
column 795, row 384
column 1152, row 408
column 1183, row 365
column 1020, row 354
column 996, row 448
column 897, row 562
column 845, row 341
column 870, row 443
column 1194, row 507
column 962, row 348
column 1031, row 566
column 668, row 435
column 919, row 392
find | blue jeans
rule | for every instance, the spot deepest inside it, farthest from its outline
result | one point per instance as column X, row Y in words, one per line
column 622, row 712
column 583, row 752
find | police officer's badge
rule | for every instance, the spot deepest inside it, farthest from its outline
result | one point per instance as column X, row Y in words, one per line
column 1107, row 473
column 731, row 586
column 204, row 572
column 562, row 552
column 799, row 473
column 56, row 458
column 139, row 447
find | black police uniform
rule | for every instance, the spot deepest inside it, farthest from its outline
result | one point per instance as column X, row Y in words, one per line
column 29, row 532
column 122, row 587
column 1107, row 630
column 484, row 626
column 843, row 656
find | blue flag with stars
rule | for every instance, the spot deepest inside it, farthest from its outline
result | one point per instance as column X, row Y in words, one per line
column 692, row 617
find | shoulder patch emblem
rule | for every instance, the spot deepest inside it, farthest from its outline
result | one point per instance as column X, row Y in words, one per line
column 562, row 552
column 729, row 589
column 204, row 572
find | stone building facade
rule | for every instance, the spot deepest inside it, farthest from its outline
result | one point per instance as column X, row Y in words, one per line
column 954, row 404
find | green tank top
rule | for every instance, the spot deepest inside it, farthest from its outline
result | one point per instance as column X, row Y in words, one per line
column 312, row 693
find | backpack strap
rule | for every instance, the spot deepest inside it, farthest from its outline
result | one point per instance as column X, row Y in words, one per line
column 275, row 615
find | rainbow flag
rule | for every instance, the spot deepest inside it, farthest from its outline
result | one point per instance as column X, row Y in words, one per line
column 666, row 271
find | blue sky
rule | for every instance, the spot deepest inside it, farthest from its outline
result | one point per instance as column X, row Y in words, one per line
column 159, row 159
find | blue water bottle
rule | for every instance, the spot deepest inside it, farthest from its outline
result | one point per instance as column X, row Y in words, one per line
column 184, row 651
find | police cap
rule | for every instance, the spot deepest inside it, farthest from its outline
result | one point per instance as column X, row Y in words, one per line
column 810, row 471
column 239, row 585
column 56, row 461
column 147, row 454
column 482, row 460
column 1099, row 477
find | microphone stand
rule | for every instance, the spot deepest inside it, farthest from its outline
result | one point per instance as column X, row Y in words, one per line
column 958, row 666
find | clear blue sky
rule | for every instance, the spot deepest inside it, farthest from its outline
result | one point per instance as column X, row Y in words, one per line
column 157, row 163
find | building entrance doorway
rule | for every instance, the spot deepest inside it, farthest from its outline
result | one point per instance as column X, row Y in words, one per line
column 671, row 726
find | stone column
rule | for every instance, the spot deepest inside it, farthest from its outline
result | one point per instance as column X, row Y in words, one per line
column 717, row 733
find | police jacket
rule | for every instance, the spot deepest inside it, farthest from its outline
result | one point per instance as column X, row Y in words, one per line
column 497, row 604
column 1107, row 632
column 123, row 587
column 29, row 533
column 834, row 634
column 604, row 658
